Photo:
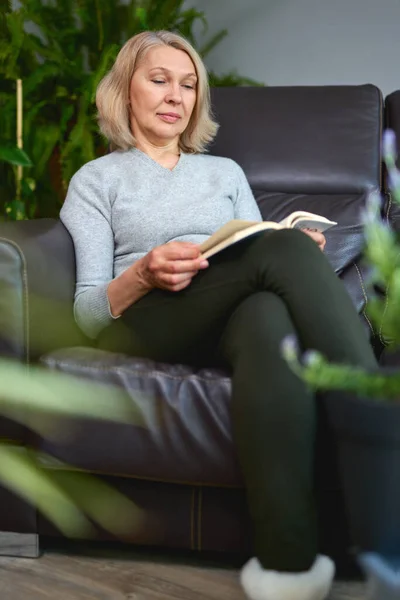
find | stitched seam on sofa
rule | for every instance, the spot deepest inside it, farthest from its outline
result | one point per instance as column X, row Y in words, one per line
column 311, row 194
column 381, row 107
column 25, row 293
column 192, row 499
column 387, row 216
column 199, row 517
column 143, row 477
column 145, row 373
column 389, row 208
column 365, row 297
column 383, row 316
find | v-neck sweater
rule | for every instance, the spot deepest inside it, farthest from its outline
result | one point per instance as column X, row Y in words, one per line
column 122, row 205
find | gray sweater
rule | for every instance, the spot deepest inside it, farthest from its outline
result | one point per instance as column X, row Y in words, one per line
column 122, row 205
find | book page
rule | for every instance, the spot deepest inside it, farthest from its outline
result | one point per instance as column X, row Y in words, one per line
column 226, row 231
column 217, row 242
column 302, row 219
column 237, row 230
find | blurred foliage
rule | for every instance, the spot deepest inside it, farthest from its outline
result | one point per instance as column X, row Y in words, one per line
column 383, row 253
column 14, row 208
column 61, row 49
column 44, row 402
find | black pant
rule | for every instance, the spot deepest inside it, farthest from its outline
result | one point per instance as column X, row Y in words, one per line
column 236, row 313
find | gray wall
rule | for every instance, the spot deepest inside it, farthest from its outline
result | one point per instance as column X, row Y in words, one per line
column 308, row 42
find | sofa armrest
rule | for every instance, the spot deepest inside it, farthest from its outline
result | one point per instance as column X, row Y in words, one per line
column 37, row 281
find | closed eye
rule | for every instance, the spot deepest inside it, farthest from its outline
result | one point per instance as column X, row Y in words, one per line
column 185, row 85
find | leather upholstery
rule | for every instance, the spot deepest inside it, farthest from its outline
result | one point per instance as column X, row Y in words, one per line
column 392, row 121
column 180, row 516
column 37, row 281
column 16, row 515
column 391, row 208
column 315, row 149
column 309, row 140
column 184, row 432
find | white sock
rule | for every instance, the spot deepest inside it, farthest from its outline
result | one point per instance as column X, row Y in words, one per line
column 262, row 584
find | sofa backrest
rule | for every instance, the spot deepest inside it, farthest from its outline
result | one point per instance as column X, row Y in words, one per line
column 392, row 117
column 308, row 140
column 392, row 121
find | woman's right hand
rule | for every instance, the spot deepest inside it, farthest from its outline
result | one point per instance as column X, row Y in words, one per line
column 171, row 266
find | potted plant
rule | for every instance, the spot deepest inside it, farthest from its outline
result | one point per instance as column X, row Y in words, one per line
column 363, row 408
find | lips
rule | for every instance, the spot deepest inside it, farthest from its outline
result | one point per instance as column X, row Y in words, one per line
column 169, row 117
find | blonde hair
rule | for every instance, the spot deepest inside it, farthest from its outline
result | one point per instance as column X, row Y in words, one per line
column 112, row 96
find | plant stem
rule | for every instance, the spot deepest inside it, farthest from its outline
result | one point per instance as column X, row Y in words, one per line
column 19, row 134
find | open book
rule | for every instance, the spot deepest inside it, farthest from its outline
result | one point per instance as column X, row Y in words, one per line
column 237, row 230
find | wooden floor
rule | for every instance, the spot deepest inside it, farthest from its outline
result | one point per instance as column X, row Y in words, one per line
column 68, row 574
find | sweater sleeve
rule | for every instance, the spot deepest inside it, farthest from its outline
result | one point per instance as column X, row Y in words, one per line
column 245, row 206
column 86, row 214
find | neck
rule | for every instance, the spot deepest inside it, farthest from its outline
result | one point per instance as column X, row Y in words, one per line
column 158, row 152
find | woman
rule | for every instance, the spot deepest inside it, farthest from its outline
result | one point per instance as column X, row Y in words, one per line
column 137, row 217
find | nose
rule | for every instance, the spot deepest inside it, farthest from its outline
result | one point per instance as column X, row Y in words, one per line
column 174, row 94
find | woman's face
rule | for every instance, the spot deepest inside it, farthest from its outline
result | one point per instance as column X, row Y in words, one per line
column 162, row 95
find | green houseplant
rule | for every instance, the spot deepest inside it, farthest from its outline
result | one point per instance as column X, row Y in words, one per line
column 15, row 157
column 363, row 408
column 61, row 50
column 44, row 402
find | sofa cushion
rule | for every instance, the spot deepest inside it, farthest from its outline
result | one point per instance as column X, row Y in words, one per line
column 186, row 436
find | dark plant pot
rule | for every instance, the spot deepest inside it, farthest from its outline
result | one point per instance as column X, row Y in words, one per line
column 367, row 436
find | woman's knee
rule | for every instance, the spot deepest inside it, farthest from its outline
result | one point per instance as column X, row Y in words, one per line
column 283, row 252
column 293, row 241
column 260, row 321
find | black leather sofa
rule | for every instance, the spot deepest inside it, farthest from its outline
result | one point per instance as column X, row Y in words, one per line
column 311, row 148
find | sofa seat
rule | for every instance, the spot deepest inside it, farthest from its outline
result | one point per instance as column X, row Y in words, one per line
column 183, row 433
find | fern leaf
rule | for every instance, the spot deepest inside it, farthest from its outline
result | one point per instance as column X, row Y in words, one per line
column 45, row 71
column 107, row 58
column 46, row 140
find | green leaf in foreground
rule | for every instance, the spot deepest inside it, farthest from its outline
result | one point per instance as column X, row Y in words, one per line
column 320, row 374
column 70, row 502
column 39, row 397
column 14, row 156
column 23, row 476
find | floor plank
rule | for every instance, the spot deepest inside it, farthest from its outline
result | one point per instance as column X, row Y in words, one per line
column 65, row 575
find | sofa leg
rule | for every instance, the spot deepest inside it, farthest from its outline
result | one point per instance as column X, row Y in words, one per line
column 19, row 544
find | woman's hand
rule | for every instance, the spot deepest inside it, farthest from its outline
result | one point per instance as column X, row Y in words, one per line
column 317, row 236
column 171, row 266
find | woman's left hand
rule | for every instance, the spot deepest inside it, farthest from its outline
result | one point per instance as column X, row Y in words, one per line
column 317, row 236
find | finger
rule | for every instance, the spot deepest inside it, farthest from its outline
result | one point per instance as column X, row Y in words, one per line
column 176, row 287
column 318, row 237
column 176, row 278
column 181, row 286
column 184, row 266
column 181, row 250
